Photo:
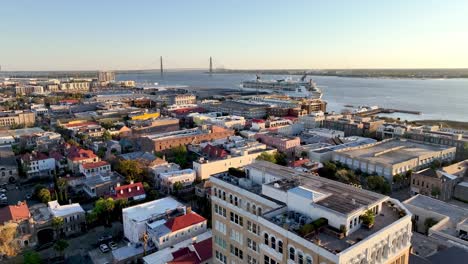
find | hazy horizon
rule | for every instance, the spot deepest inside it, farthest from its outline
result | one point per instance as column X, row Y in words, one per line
column 250, row 35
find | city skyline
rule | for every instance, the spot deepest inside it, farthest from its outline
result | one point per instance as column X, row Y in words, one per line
column 260, row 35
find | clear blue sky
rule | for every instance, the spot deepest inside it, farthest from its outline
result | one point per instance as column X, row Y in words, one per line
column 105, row 34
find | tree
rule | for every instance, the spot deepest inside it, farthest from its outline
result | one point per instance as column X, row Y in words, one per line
column 177, row 187
column 328, row 170
column 62, row 187
column 267, row 157
column 281, row 159
column 31, row 257
column 8, row 245
column 131, row 169
column 104, row 208
column 60, row 246
column 304, row 154
column 378, row 184
column 106, row 136
column 180, row 155
column 57, row 223
column 44, row 195
column 368, row 218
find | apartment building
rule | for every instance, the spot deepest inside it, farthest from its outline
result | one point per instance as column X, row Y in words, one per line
column 182, row 99
column 29, row 89
column 73, row 216
column 38, row 164
column 282, row 143
column 168, row 179
column 276, row 214
column 75, row 86
column 20, row 117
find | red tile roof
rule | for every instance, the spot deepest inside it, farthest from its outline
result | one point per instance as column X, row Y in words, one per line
column 93, row 165
column 122, row 192
column 56, row 155
column 202, row 253
column 14, row 213
column 76, row 154
column 184, row 221
column 34, row 156
column 213, row 151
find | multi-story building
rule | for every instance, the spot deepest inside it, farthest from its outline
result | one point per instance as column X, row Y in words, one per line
column 38, row 164
column 168, row 179
column 439, row 183
column 92, row 168
column 282, row 143
column 75, row 86
column 129, row 192
column 106, row 76
column 353, row 126
column 276, row 214
column 29, row 89
column 21, row 117
column 205, row 167
column 101, row 184
column 76, row 156
column 315, row 105
column 391, row 130
column 393, row 156
column 73, row 217
column 164, row 141
column 238, row 108
column 138, row 219
column 19, row 216
column 182, row 99
column 161, row 125
column 8, row 165
column 312, row 120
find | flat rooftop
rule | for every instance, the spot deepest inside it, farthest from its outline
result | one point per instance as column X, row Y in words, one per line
column 147, row 210
column 456, row 214
column 393, row 151
column 340, row 197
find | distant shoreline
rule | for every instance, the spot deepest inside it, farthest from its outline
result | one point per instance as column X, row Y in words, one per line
column 363, row 73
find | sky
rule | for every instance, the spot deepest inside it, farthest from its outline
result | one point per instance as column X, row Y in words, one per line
column 238, row 34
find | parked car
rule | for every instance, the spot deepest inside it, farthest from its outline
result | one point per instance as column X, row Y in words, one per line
column 104, row 248
column 113, row 245
column 2, row 190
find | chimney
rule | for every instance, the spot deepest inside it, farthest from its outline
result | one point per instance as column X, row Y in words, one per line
column 189, row 210
column 131, row 182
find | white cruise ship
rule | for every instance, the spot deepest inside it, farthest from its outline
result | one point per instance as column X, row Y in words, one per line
column 293, row 88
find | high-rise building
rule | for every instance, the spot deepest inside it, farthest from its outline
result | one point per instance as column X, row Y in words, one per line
column 275, row 214
column 106, row 76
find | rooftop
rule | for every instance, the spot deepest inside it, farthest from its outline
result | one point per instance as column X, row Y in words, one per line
column 393, row 151
column 148, row 210
column 64, row 210
column 93, row 165
column 184, row 221
column 14, row 213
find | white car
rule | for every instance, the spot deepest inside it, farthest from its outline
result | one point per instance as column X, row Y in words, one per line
column 113, row 245
column 104, row 248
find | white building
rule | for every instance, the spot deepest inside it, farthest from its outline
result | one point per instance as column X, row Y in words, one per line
column 73, row 216
column 205, row 168
column 136, row 219
column 167, row 232
column 313, row 120
column 38, row 164
column 168, row 179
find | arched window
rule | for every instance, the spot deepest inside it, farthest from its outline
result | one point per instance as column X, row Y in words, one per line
column 259, row 211
column 273, row 243
column 266, row 238
column 280, row 246
column 254, row 208
column 300, row 258
column 308, row 260
column 292, row 254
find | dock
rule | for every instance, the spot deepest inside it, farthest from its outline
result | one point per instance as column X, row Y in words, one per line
column 387, row 111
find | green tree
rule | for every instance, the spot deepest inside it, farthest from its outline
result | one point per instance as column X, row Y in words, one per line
column 60, row 246
column 267, row 157
column 177, row 187
column 378, row 184
column 328, row 170
column 104, row 208
column 44, row 195
column 131, row 169
column 62, row 187
column 106, row 136
column 281, row 159
column 57, row 224
column 180, row 155
column 31, row 257
column 368, row 218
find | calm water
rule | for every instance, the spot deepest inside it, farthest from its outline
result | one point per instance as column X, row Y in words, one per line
column 436, row 99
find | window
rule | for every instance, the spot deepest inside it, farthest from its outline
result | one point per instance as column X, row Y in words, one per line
column 266, row 238
column 235, row 218
column 220, row 210
column 219, row 256
column 236, row 236
column 292, row 253
column 308, row 260
column 237, row 252
column 252, row 244
column 300, row 258
column 251, row 260
column 220, row 242
column 273, row 243
column 221, row 227
column 280, row 246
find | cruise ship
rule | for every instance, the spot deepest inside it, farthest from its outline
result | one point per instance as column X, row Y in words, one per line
column 293, row 88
